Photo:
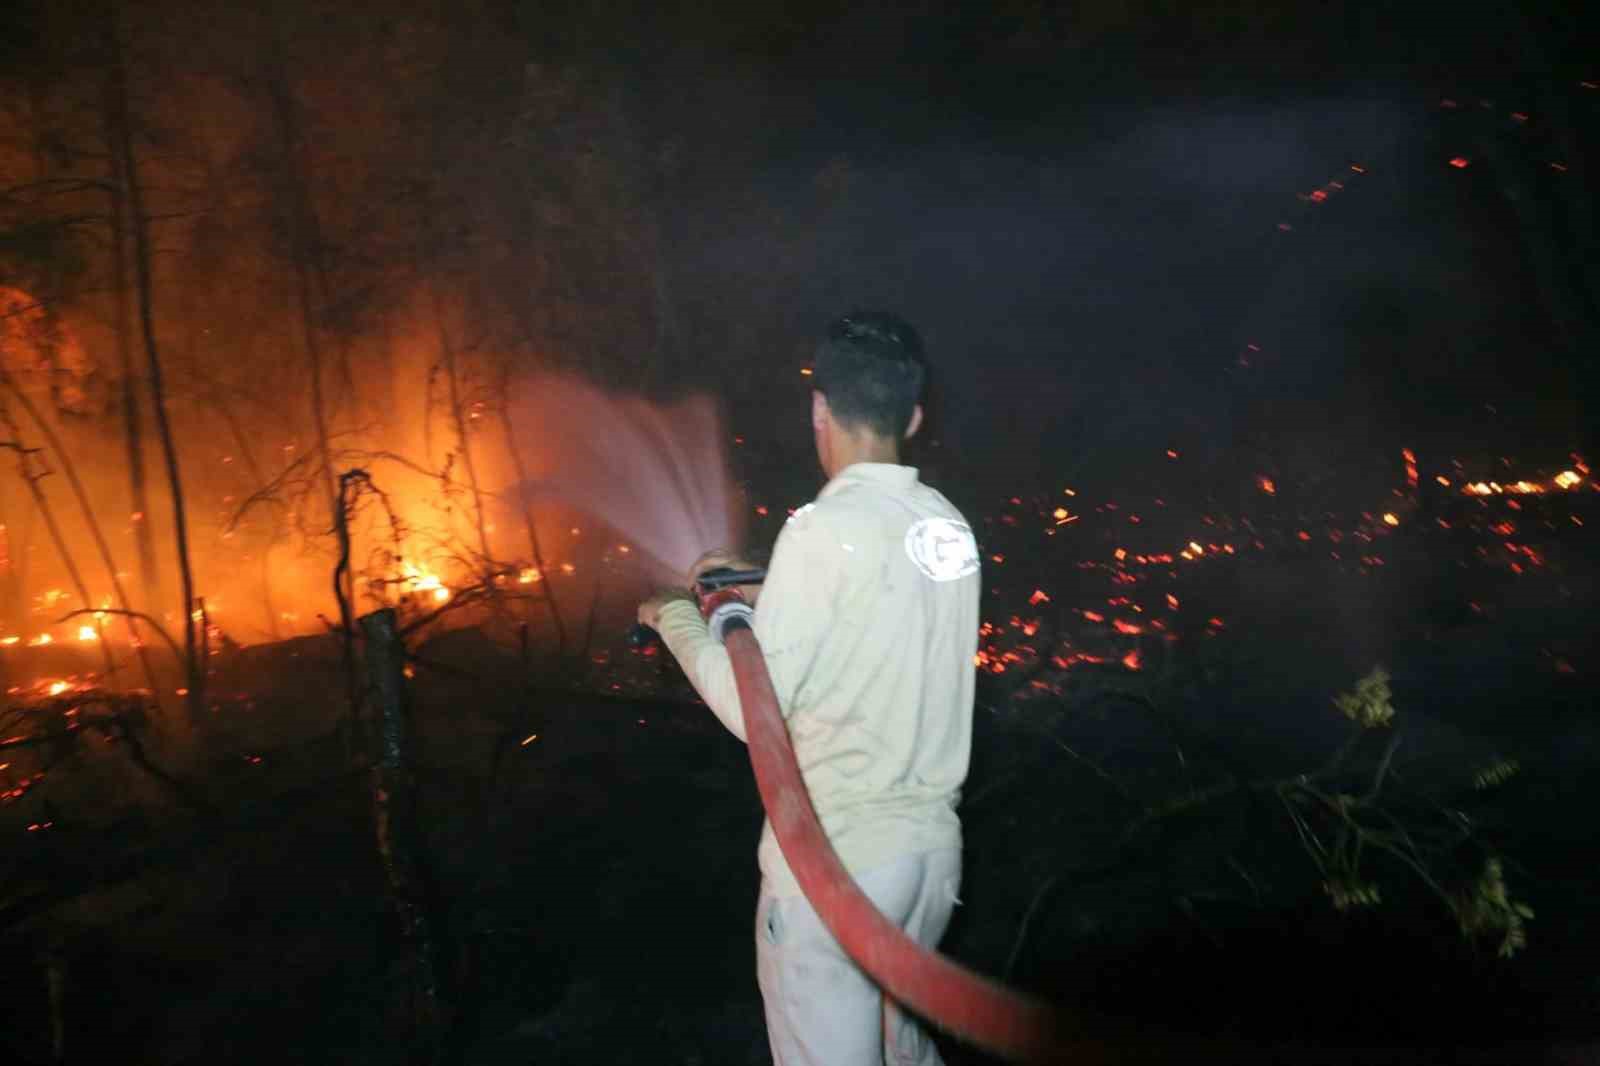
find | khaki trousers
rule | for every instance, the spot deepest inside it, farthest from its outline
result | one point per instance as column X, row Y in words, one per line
column 822, row 1010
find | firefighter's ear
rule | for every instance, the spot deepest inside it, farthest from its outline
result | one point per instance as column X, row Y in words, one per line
column 915, row 423
column 819, row 411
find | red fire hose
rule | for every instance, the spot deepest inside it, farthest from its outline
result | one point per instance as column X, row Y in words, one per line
column 967, row 1005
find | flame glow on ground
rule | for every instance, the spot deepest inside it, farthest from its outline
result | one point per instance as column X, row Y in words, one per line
column 1044, row 560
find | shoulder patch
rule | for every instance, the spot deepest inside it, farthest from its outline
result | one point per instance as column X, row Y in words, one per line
column 942, row 548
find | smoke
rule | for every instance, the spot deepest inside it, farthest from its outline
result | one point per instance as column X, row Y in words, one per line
column 656, row 473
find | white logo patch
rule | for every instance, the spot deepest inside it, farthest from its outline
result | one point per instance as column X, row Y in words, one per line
column 942, row 548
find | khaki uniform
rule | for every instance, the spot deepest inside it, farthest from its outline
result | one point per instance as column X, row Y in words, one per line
column 868, row 620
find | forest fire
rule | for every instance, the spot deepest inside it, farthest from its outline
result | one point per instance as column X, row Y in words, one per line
column 363, row 366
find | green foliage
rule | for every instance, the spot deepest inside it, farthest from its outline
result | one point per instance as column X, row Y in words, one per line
column 1369, row 705
column 1496, row 773
column 1487, row 909
column 1337, row 829
column 1350, row 892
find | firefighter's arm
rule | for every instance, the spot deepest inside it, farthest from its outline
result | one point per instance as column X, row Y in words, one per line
column 792, row 618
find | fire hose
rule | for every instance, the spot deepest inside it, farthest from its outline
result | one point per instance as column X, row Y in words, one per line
column 963, row 1003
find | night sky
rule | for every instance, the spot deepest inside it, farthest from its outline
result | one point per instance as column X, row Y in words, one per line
column 1082, row 211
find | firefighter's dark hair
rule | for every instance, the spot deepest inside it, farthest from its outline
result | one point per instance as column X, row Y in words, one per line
column 870, row 368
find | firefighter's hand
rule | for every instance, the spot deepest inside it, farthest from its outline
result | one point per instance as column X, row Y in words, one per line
column 718, row 558
column 650, row 610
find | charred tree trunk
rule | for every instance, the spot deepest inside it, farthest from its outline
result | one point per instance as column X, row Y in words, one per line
column 299, row 252
column 521, row 469
column 128, row 165
column 305, row 253
column 31, row 477
column 132, row 418
column 21, row 557
column 71, row 473
column 398, row 839
column 460, row 419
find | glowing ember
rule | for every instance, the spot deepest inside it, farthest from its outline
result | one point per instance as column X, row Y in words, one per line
column 1267, row 485
column 1390, row 518
column 1567, row 479
column 58, row 687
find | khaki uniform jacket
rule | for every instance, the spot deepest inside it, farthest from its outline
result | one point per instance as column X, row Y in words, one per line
column 869, row 624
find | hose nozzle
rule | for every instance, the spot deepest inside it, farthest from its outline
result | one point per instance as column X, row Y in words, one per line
column 721, row 603
column 717, row 593
column 725, row 609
